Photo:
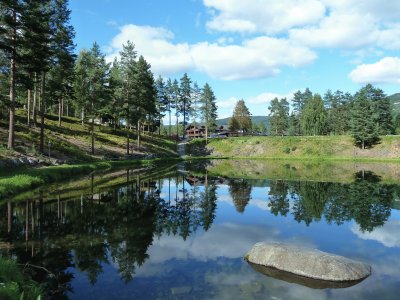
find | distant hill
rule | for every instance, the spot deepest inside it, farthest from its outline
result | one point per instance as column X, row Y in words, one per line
column 254, row 119
column 395, row 100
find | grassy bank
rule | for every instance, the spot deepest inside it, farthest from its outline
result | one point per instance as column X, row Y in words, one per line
column 32, row 178
column 71, row 141
column 298, row 148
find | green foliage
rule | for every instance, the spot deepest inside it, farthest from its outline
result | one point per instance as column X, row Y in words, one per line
column 313, row 116
column 363, row 127
column 241, row 120
column 286, row 150
column 279, row 116
column 208, row 108
column 15, row 284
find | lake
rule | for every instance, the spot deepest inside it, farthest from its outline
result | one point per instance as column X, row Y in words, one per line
column 180, row 231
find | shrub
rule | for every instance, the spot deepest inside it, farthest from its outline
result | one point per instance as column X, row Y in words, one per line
column 294, row 148
column 286, row 150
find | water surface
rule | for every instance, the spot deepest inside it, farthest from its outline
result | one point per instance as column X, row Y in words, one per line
column 180, row 232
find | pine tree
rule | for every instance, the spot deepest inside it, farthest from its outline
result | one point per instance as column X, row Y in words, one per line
column 162, row 100
column 208, row 108
column 363, row 128
column 115, row 107
column 381, row 108
column 279, row 116
column 185, row 100
column 170, row 96
column 62, row 71
column 91, row 86
column 39, row 35
column 128, row 67
column 196, row 99
column 299, row 100
column 145, row 96
column 10, row 24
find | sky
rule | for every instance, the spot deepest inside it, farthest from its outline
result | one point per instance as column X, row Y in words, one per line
column 255, row 49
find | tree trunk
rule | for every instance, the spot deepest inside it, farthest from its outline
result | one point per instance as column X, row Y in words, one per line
column 59, row 112
column 184, row 119
column 10, row 144
column 83, row 116
column 42, row 109
column 92, row 128
column 29, row 108
column 138, row 135
column 34, row 105
column 363, row 145
column 67, row 108
column 170, row 123
column 127, row 138
column 206, row 134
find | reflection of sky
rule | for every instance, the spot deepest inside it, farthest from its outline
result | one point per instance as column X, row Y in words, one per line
column 212, row 260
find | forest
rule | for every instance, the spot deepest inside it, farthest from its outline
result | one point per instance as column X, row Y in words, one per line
column 42, row 74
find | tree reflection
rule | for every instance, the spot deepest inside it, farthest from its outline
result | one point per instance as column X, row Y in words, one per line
column 116, row 225
column 366, row 200
column 240, row 190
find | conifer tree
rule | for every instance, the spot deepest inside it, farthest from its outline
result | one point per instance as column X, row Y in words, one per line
column 10, row 24
column 363, row 128
column 162, row 103
column 62, row 71
column 279, row 116
column 185, row 100
column 208, row 108
column 128, row 70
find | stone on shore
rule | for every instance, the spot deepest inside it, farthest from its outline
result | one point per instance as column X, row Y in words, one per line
column 306, row 262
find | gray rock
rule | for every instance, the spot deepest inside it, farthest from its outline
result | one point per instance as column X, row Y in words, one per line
column 310, row 263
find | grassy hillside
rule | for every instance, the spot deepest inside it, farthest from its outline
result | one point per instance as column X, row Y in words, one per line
column 71, row 141
column 313, row 147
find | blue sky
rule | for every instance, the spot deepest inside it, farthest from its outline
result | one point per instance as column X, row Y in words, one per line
column 253, row 49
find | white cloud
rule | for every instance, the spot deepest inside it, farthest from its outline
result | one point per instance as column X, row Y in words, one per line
column 388, row 234
column 339, row 30
column 387, row 70
column 253, row 58
column 263, row 16
column 155, row 44
column 348, row 24
column 266, row 98
column 228, row 103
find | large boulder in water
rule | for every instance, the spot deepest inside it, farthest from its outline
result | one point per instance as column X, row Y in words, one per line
column 306, row 262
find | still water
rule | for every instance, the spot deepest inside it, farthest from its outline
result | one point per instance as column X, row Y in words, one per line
column 180, row 232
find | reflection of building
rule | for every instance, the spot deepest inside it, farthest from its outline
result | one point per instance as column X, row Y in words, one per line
column 203, row 180
column 197, row 131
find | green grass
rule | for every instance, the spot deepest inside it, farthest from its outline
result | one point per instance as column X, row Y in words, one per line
column 301, row 147
column 72, row 140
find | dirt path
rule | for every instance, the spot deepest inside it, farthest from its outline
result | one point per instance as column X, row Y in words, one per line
column 182, row 147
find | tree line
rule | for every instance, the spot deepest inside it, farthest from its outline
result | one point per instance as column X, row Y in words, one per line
column 366, row 115
column 40, row 72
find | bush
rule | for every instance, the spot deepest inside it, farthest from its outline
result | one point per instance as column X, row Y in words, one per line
column 286, row 150
column 294, row 148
